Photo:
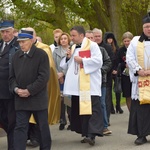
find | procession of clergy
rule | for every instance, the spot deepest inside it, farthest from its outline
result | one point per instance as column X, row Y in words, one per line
column 35, row 80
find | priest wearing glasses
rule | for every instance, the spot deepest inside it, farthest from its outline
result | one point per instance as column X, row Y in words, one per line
column 138, row 60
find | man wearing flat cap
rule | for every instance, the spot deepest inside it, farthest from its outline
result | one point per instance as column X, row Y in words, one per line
column 138, row 60
column 8, row 46
column 28, row 80
column 53, row 95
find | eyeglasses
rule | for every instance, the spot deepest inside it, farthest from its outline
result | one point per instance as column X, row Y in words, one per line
column 146, row 27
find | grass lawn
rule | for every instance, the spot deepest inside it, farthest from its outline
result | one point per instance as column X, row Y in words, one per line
column 123, row 101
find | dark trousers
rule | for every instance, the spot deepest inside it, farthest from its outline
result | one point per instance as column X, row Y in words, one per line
column 108, row 101
column 63, row 112
column 34, row 132
column 21, row 129
column 118, row 98
column 7, row 119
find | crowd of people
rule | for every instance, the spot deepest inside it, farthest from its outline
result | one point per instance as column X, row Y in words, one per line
column 36, row 79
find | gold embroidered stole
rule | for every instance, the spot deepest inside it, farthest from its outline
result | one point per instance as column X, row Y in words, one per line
column 53, row 89
column 143, row 82
column 85, row 106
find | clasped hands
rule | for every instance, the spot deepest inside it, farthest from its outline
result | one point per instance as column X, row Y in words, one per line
column 22, row 92
column 143, row 73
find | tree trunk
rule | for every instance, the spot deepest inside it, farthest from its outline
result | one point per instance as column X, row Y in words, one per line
column 115, row 17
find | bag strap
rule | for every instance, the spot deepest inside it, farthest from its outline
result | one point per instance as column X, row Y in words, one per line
column 119, row 70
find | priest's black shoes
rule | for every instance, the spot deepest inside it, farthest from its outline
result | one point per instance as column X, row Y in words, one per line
column 140, row 140
column 83, row 140
column 89, row 140
column 62, row 126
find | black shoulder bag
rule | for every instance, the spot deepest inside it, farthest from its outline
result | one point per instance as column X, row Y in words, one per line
column 117, row 82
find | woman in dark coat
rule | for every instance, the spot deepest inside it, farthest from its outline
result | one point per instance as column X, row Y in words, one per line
column 121, row 58
column 110, row 39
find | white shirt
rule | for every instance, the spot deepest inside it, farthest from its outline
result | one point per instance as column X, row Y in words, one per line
column 52, row 47
column 4, row 44
column 91, row 66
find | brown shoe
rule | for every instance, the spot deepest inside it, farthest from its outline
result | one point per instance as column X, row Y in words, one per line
column 106, row 132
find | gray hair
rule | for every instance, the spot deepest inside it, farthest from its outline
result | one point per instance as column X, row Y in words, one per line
column 88, row 31
column 97, row 30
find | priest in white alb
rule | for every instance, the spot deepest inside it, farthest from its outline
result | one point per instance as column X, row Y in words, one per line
column 83, row 82
column 138, row 60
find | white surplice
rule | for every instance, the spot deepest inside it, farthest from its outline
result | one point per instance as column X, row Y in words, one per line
column 91, row 66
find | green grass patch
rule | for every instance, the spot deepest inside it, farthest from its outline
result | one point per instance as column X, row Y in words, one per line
column 122, row 102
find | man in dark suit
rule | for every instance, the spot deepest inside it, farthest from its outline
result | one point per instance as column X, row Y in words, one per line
column 28, row 81
column 8, row 46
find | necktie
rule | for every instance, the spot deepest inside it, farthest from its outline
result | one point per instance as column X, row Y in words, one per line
column 25, row 55
column 5, row 47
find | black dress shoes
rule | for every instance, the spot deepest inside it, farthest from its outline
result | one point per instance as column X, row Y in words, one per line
column 32, row 143
column 89, row 140
column 83, row 141
column 140, row 140
column 61, row 126
column 119, row 110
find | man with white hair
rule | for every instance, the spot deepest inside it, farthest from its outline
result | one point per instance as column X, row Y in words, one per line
column 53, row 94
column 8, row 46
column 99, row 40
column 28, row 80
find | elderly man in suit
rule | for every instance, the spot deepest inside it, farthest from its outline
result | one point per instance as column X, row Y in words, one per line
column 28, row 81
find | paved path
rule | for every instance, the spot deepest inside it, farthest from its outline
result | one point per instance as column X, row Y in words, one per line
column 67, row 140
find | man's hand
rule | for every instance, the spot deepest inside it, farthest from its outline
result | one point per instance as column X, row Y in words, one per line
column 78, row 59
column 60, row 75
column 147, row 72
column 68, row 53
column 23, row 92
column 143, row 72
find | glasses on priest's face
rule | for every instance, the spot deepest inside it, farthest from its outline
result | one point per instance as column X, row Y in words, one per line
column 146, row 27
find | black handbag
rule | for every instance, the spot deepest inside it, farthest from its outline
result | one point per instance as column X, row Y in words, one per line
column 117, row 82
